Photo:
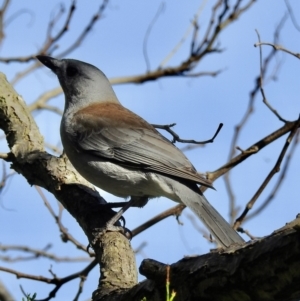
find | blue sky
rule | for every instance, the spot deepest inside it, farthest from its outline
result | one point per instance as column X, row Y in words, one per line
column 197, row 105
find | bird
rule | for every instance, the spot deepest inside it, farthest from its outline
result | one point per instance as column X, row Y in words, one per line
column 121, row 153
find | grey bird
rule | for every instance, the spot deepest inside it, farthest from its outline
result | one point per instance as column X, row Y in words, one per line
column 121, row 153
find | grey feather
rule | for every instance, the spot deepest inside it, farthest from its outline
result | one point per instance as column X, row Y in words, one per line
column 139, row 148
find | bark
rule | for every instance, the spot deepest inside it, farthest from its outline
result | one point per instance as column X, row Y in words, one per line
column 263, row 270
column 5, row 295
column 58, row 176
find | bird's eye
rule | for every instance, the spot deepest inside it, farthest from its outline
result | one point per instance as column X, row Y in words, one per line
column 71, row 71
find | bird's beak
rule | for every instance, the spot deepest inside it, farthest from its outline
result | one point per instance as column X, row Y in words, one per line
column 50, row 62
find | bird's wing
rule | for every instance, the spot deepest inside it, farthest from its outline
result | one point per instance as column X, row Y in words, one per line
column 130, row 141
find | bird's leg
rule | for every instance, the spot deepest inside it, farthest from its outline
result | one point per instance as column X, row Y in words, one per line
column 133, row 202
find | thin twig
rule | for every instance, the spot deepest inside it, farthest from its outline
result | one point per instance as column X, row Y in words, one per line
column 49, row 45
column 185, row 36
column 292, row 16
column 37, row 253
column 85, row 31
column 264, row 66
column 242, row 230
column 265, row 101
column 172, row 211
column 253, row 149
column 18, row 76
column 204, row 48
column 2, row 13
column 49, row 39
column 64, row 232
column 148, row 31
column 274, row 170
column 80, row 287
column 58, row 282
column 278, row 47
column 176, row 137
column 279, row 182
column 53, row 148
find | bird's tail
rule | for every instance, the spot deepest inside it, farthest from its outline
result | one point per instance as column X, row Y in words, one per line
column 223, row 233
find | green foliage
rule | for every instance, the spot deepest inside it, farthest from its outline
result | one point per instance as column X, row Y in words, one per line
column 168, row 296
column 29, row 298
column 173, row 293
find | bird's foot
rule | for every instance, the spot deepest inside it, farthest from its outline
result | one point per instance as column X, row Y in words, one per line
column 111, row 224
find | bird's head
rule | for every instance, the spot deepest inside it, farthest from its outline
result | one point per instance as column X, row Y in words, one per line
column 82, row 83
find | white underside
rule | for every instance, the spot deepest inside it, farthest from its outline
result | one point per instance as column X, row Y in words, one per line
column 120, row 181
column 124, row 182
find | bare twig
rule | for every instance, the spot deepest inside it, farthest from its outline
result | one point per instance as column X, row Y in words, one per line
column 204, row 232
column 202, row 49
column 54, row 20
column 157, row 14
column 2, row 13
column 274, row 170
column 265, row 101
column 28, row 276
column 204, row 73
column 292, row 16
column 49, row 46
column 80, row 287
column 64, row 232
column 58, row 282
column 190, row 147
column 4, row 177
column 253, row 149
column 173, row 211
column 53, row 148
column 40, row 103
column 215, row 27
column 37, row 253
column 242, row 230
column 24, row 73
column 140, row 248
column 185, row 36
column 44, row 98
column 53, row 109
column 279, row 182
column 85, row 31
column 264, row 66
column 278, row 47
column 226, row 9
column 180, row 70
column 176, row 138
column 18, row 13
column 49, row 39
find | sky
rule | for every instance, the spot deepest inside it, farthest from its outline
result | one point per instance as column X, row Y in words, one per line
column 197, row 105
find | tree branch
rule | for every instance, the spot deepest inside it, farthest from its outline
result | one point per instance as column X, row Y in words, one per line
column 60, row 178
column 242, row 273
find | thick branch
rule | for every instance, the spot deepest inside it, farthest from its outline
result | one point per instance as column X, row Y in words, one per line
column 266, row 269
column 59, row 177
